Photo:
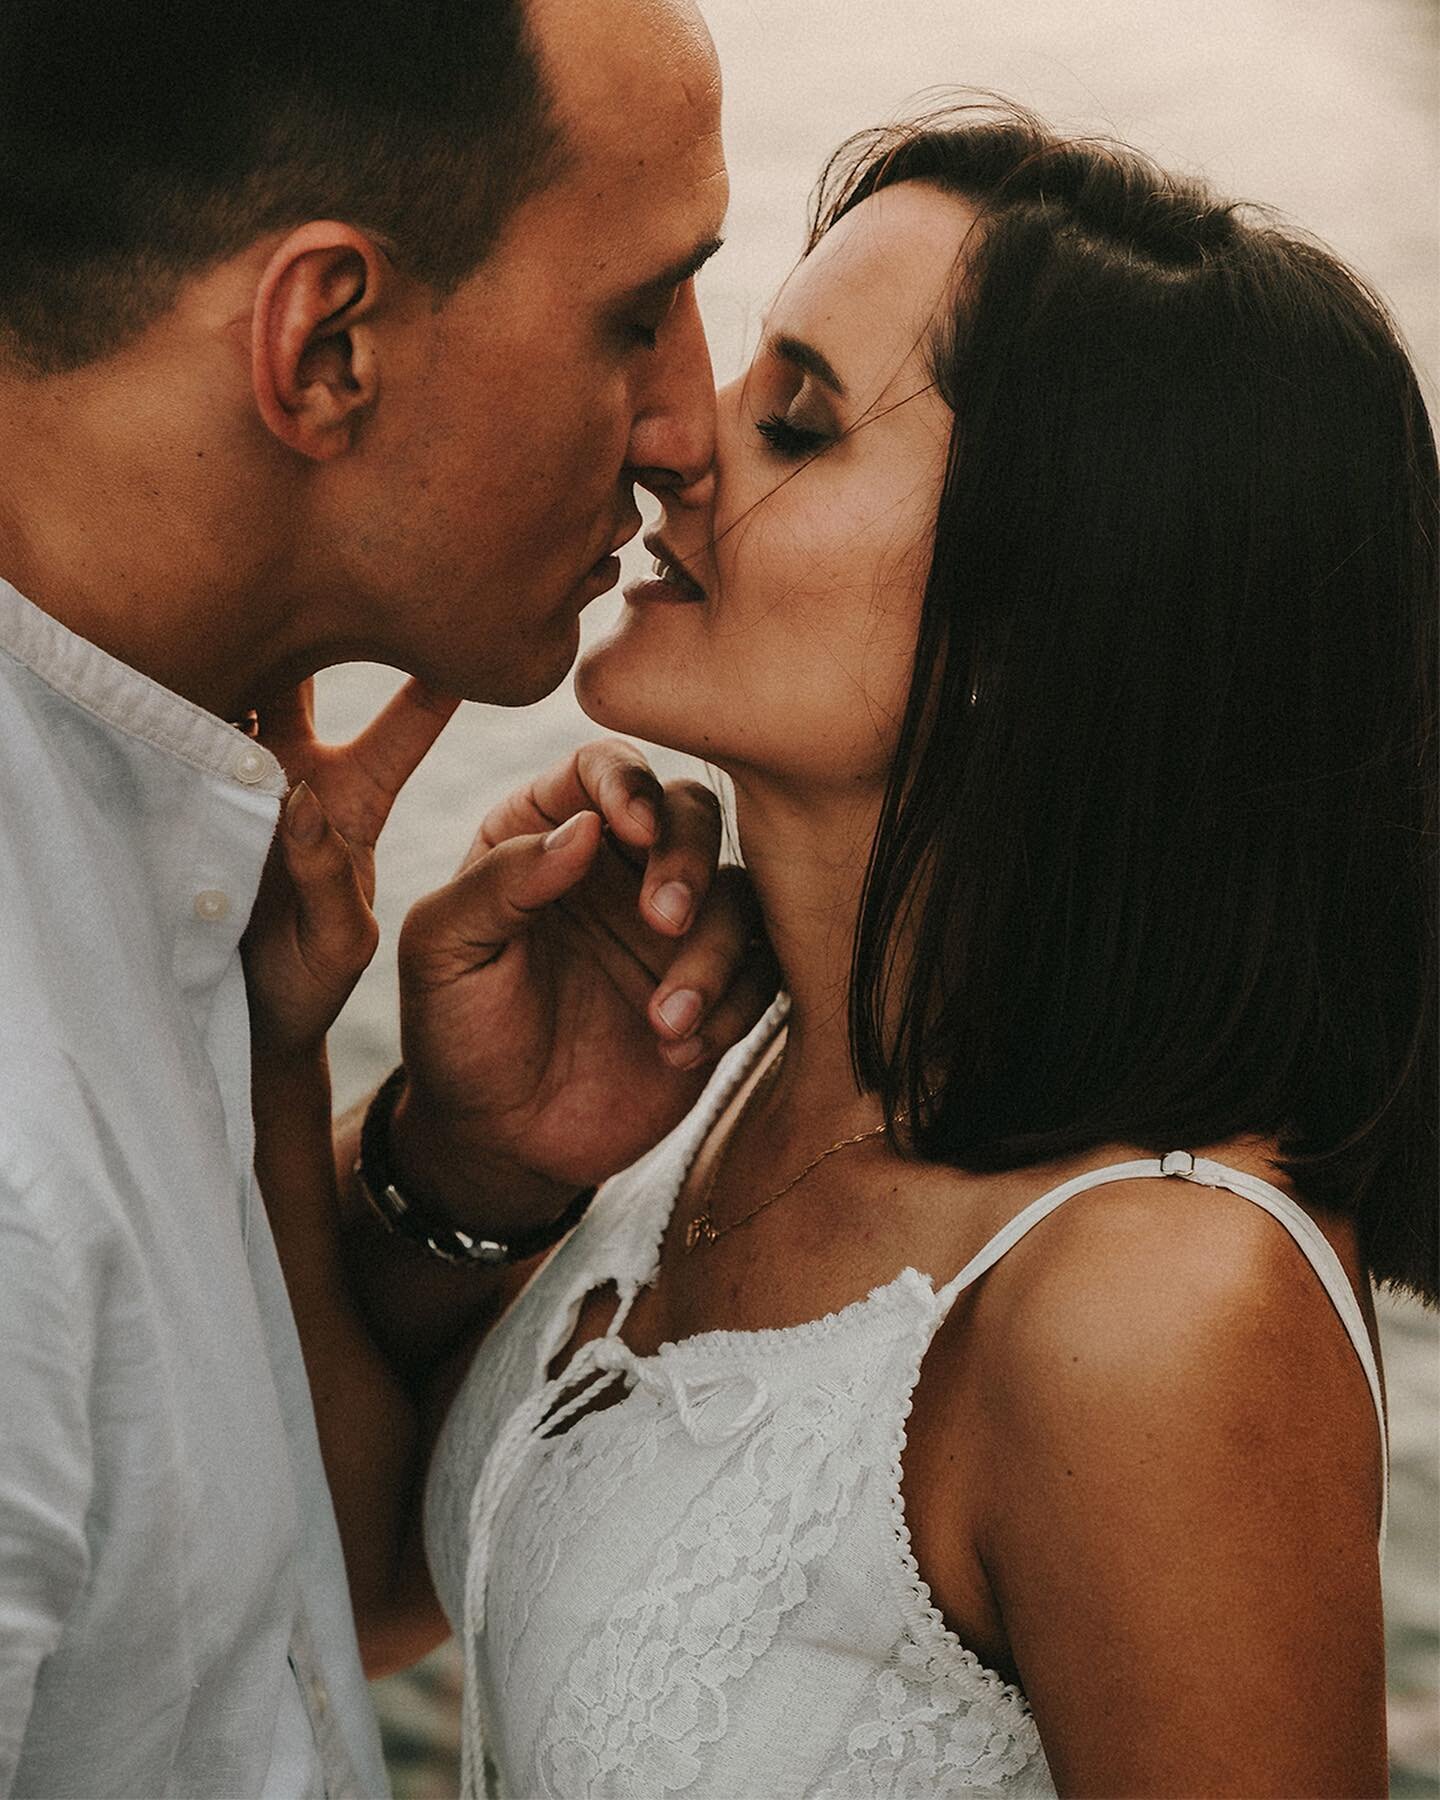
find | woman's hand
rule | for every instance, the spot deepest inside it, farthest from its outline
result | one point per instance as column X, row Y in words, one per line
column 313, row 933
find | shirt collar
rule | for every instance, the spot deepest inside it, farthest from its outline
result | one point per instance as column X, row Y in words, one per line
column 131, row 703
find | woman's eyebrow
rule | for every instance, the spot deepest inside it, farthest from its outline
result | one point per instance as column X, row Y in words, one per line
column 807, row 357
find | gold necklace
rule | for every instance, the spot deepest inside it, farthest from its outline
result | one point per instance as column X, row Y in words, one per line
column 702, row 1229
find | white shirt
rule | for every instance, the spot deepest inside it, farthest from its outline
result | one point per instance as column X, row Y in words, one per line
column 173, row 1612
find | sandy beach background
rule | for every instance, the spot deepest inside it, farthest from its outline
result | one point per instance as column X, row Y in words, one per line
column 1326, row 109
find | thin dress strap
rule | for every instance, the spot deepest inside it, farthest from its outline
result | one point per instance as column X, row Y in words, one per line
column 1302, row 1228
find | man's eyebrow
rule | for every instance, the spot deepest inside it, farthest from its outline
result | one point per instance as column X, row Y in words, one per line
column 807, row 357
column 681, row 272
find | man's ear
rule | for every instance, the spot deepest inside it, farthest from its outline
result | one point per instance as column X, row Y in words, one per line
column 315, row 365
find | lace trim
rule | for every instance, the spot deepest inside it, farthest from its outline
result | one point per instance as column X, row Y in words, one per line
column 923, row 1735
column 922, row 1617
column 730, row 1342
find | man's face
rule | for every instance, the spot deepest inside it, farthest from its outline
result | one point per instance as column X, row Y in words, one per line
column 483, row 511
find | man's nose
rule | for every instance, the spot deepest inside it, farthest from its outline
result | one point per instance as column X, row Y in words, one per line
column 672, row 442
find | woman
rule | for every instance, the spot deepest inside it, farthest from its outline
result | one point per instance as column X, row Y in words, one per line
column 979, row 1391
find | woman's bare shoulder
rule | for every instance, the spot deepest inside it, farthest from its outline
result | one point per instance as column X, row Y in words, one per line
column 1159, row 1316
column 1154, row 1273
column 1182, row 1475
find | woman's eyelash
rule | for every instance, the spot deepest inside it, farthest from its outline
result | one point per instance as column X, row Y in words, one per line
column 788, row 439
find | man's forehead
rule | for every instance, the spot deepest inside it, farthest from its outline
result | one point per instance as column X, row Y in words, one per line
column 635, row 86
column 628, row 75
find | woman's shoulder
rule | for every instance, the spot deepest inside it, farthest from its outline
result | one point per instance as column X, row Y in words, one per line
column 1149, row 1308
column 1177, row 1472
column 1161, row 1264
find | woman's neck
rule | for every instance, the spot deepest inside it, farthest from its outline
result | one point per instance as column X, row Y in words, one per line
column 807, row 855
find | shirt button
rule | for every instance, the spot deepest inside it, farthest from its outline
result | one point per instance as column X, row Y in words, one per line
column 211, row 905
column 252, row 766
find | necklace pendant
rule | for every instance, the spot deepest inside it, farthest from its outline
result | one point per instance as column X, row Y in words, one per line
column 700, row 1230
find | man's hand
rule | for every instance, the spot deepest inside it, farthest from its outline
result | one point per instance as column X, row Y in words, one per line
column 312, row 933
column 564, row 998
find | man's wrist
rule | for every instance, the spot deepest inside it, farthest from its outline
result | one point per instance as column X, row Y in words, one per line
column 276, row 1073
column 459, row 1182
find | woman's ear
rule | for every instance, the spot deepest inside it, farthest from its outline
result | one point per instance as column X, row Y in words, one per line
column 314, row 357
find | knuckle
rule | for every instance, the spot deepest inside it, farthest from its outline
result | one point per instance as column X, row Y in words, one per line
column 728, row 918
column 626, row 765
column 705, row 964
column 620, row 750
column 423, row 923
column 687, row 791
column 606, row 757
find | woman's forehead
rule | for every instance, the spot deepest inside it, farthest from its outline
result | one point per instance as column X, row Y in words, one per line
column 869, row 292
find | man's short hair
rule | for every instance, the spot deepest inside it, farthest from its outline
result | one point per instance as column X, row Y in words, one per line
column 143, row 141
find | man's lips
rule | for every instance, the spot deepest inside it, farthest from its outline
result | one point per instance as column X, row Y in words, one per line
column 604, row 572
column 601, row 578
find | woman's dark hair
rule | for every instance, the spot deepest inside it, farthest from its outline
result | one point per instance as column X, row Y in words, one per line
column 142, row 141
column 1156, row 865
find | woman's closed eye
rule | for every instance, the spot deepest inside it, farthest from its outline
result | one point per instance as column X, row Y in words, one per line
column 788, row 439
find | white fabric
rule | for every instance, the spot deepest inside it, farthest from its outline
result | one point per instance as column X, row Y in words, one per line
column 708, row 1587
column 173, row 1611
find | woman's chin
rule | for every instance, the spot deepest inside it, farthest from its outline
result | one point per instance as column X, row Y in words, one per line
column 624, row 689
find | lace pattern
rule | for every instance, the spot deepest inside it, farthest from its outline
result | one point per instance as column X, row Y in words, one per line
column 568, row 1489
column 650, row 1688
column 667, row 1574
column 930, row 1730
column 659, row 1688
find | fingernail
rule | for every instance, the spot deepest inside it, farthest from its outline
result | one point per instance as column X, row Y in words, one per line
column 673, row 902
column 684, row 1056
column 562, row 834
column 680, row 1010
column 643, row 813
column 304, row 818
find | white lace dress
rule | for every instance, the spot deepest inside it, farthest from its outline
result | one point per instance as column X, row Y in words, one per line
column 708, row 1587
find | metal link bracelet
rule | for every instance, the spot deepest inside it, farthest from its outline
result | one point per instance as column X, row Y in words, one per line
column 446, row 1243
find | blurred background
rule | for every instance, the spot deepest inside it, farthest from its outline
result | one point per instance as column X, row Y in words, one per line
column 1325, row 109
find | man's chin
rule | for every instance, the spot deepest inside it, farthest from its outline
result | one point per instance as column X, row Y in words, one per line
column 530, row 675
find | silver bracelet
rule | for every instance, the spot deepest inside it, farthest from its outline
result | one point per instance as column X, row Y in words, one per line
column 446, row 1243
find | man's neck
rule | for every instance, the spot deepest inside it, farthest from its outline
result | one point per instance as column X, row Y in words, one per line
column 120, row 517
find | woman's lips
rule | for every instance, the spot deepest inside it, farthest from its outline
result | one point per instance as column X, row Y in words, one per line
column 664, row 590
column 671, row 582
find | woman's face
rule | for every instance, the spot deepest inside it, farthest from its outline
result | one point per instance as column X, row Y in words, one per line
column 813, row 545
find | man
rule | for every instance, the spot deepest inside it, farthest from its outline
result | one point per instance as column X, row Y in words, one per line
column 324, row 333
